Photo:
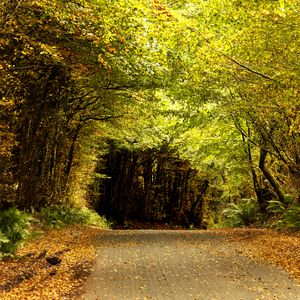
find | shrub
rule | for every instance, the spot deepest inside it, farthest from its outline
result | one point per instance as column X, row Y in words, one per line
column 61, row 215
column 14, row 230
column 244, row 213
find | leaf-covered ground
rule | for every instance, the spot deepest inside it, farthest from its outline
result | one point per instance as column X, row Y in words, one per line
column 31, row 276
column 278, row 248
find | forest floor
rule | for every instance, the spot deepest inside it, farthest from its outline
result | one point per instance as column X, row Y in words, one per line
column 56, row 264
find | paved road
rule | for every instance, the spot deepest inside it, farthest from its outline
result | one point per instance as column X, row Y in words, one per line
column 156, row 264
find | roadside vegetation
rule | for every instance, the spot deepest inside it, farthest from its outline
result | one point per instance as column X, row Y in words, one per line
column 18, row 227
column 246, row 213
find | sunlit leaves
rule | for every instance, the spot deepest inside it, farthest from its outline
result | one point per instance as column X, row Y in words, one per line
column 179, row 72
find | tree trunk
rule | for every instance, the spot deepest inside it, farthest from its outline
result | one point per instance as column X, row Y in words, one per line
column 268, row 175
column 260, row 199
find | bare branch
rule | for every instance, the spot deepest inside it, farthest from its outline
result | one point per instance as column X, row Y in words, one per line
column 248, row 69
column 232, row 59
column 99, row 118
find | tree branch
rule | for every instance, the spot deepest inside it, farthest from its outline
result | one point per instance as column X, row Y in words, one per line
column 248, row 69
column 99, row 118
column 232, row 59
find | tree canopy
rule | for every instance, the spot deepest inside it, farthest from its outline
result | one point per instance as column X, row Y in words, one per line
column 216, row 82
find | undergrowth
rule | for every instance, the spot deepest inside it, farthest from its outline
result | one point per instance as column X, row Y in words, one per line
column 285, row 217
column 291, row 218
column 242, row 214
column 246, row 213
column 14, row 230
column 57, row 216
column 18, row 226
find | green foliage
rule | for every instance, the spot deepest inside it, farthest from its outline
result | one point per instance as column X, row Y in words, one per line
column 244, row 213
column 276, row 207
column 15, row 224
column 287, row 218
column 291, row 218
column 14, row 230
column 67, row 64
column 57, row 216
column 3, row 238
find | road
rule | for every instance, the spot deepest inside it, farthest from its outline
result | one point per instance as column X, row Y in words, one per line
column 158, row 264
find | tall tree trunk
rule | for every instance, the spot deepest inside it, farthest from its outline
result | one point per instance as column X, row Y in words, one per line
column 198, row 203
column 268, row 175
column 72, row 150
column 260, row 199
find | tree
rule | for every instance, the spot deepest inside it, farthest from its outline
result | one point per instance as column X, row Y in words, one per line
column 217, row 81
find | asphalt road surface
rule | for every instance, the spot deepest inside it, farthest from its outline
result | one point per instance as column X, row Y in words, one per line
column 159, row 264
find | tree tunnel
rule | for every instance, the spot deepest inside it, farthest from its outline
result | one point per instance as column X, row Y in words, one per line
column 152, row 185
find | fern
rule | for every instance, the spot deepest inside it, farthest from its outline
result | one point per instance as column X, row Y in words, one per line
column 14, row 226
column 276, row 207
column 244, row 213
column 291, row 218
column 57, row 216
column 3, row 238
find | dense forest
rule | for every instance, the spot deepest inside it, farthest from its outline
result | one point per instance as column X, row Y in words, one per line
column 184, row 112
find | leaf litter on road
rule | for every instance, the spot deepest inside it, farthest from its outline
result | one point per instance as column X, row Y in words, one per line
column 31, row 276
